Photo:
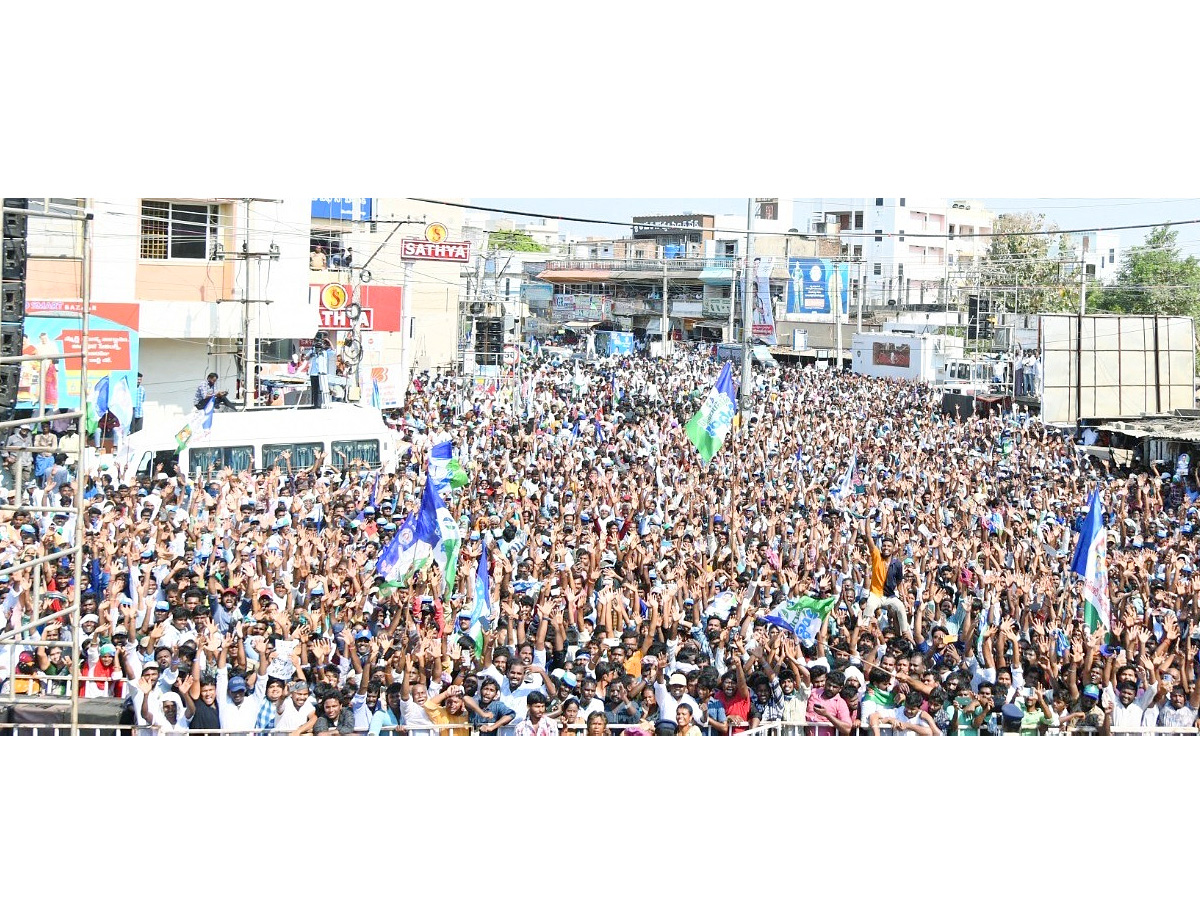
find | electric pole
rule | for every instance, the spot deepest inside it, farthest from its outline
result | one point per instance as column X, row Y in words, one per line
column 744, row 400
column 248, row 342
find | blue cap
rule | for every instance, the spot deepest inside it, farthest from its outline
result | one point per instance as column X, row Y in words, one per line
column 362, row 635
column 1092, row 691
column 163, row 605
column 1012, row 712
column 237, row 683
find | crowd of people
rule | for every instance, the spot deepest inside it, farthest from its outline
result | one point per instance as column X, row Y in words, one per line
column 631, row 584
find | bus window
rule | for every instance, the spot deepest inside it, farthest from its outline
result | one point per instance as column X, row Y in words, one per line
column 346, row 452
column 143, row 466
column 237, row 458
column 303, row 455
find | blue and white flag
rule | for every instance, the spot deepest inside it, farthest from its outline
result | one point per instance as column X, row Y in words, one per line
column 481, row 612
column 708, row 428
column 845, row 487
column 444, row 470
column 1090, row 563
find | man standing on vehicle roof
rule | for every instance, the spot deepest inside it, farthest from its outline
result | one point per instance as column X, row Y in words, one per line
column 318, row 369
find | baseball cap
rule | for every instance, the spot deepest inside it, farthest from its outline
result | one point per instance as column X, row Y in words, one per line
column 1092, row 691
column 237, row 683
column 677, row 678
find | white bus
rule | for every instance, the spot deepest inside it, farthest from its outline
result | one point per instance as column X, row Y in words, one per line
column 257, row 438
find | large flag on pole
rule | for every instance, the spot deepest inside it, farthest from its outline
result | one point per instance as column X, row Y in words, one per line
column 1091, row 564
column 431, row 535
column 482, row 611
column 97, row 404
column 444, row 469
column 711, row 423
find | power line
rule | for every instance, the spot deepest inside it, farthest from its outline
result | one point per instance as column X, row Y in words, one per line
column 801, row 234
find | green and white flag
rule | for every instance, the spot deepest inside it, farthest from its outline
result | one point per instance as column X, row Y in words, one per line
column 711, row 423
column 444, row 469
column 430, row 535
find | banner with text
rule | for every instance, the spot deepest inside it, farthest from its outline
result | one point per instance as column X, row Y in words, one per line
column 813, row 282
column 54, row 326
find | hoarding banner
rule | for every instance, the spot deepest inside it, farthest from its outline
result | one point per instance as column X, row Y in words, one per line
column 812, row 282
column 579, row 307
column 112, row 350
column 537, row 293
column 889, row 354
column 383, row 386
column 352, row 209
column 763, row 315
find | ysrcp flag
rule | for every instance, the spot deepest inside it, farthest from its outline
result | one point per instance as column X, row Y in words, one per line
column 444, row 469
column 802, row 616
column 846, row 486
column 399, row 557
column 711, row 423
column 1091, row 564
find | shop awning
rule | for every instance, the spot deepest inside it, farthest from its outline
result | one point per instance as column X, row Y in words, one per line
column 578, row 325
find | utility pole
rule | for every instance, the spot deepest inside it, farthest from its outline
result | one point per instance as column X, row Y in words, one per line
column 1083, row 278
column 837, row 311
column 862, row 289
column 666, row 316
column 248, row 343
column 744, row 400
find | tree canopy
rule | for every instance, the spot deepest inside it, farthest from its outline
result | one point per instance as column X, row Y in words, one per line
column 517, row 241
column 1154, row 278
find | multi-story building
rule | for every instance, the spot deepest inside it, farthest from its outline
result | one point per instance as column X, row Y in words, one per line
column 169, row 278
column 915, row 252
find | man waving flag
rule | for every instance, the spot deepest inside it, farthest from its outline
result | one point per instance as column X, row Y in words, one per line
column 1091, row 564
column 711, row 423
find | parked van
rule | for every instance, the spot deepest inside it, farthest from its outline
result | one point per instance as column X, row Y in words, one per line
column 257, row 438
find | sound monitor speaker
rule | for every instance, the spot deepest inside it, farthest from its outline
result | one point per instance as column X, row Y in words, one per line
column 12, row 338
column 14, row 259
column 12, row 302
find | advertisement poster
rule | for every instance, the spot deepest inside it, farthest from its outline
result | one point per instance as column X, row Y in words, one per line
column 812, row 283
column 383, row 386
column 763, row 314
column 887, row 354
column 53, row 326
column 381, row 306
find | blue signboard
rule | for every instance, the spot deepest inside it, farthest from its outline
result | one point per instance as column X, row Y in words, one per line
column 810, row 283
column 351, row 209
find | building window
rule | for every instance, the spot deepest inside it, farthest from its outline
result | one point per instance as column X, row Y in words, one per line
column 902, row 235
column 857, row 251
column 901, row 201
column 879, row 201
column 178, row 230
column 1112, row 254
column 858, row 221
column 878, row 268
column 900, row 273
column 879, row 235
column 639, row 254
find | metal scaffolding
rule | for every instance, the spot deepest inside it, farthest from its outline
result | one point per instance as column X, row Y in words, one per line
column 27, row 634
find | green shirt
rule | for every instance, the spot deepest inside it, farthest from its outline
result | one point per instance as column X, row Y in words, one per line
column 1030, row 722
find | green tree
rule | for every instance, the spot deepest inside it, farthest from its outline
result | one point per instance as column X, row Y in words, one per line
column 1154, row 278
column 1023, row 258
column 518, row 241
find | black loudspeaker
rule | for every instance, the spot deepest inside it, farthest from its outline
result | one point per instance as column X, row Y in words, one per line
column 14, row 259
column 12, row 303
column 10, row 380
column 489, row 341
column 15, row 224
column 12, row 338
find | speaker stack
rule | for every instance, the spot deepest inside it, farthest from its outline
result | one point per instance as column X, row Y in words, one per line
column 489, row 340
column 12, row 301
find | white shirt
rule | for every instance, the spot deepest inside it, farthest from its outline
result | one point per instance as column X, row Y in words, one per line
column 1131, row 716
column 416, row 716
column 291, row 718
column 668, row 705
column 234, row 717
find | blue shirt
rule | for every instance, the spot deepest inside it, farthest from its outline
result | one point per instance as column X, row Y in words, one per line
column 496, row 710
column 385, row 718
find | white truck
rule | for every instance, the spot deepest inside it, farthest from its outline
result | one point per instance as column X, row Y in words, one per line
column 897, row 354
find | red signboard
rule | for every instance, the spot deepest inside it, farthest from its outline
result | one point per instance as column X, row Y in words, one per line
column 413, row 250
column 106, row 349
column 380, row 306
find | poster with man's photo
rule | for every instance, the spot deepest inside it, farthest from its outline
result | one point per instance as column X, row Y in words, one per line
column 763, row 312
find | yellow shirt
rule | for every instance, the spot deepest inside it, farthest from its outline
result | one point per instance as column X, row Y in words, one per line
column 439, row 716
column 879, row 569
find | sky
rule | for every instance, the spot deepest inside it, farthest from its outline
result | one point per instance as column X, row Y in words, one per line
column 1065, row 212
